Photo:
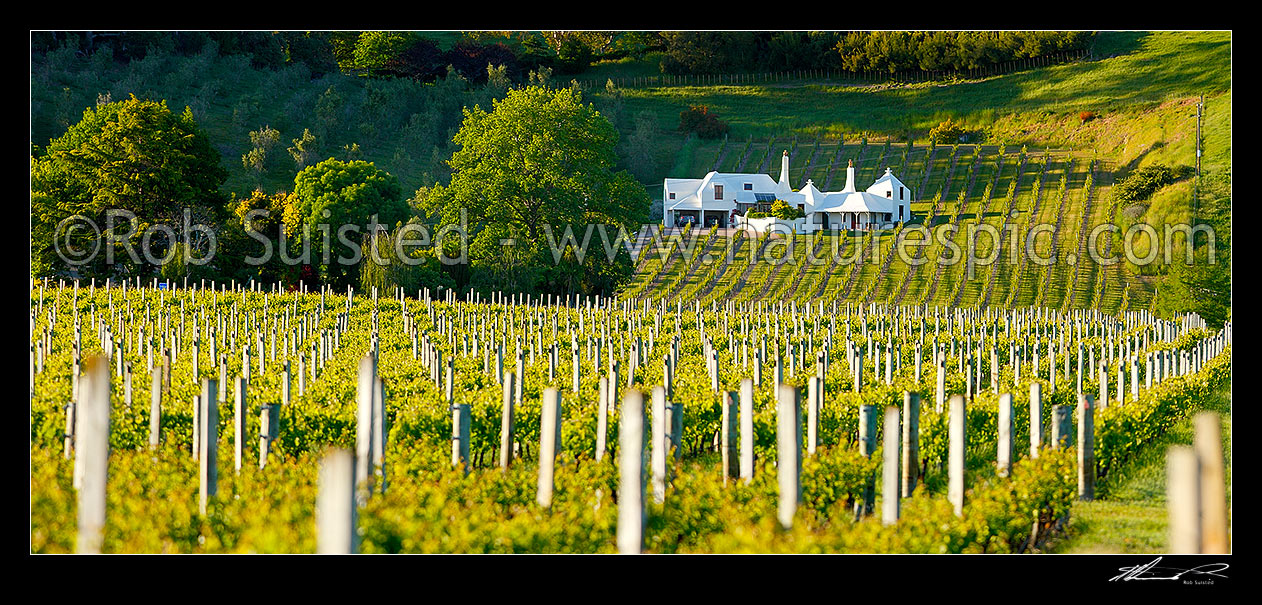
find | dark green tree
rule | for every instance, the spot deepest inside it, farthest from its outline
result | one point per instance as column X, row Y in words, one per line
column 539, row 162
column 340, row 199
column 312, row 49
column 134, row 156
column 374, row 50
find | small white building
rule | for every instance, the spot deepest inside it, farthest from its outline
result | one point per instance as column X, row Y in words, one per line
column 722, row 198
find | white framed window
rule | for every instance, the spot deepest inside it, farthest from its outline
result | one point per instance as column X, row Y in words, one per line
column 718, row 192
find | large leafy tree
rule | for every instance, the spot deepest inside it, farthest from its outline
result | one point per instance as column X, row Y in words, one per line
column 334, row 194
column 135, row 156
column 376, row 49
column 540, row 161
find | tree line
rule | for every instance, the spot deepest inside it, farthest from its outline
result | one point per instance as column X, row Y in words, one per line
column 422, row 56
column 417, row 55
column 539, row 157
column 890, row 52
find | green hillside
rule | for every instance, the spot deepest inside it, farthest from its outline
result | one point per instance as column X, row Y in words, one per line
column 1143, row 95
column 1140, row 88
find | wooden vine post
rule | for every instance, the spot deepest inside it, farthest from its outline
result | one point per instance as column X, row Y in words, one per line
column 336, row 504
column 890, row 488
column 631, row 475
column 208, row 448
column 549, row 443
column 956, row 450
column 92, row 452
column 788, row 453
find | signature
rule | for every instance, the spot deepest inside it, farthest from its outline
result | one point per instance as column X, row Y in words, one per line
column 1151, row 571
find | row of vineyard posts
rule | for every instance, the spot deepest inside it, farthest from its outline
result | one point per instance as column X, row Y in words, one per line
column 650, row 431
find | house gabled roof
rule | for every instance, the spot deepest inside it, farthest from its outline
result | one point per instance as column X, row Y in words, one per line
column 888, row 177
column 687, row 191
column 855, row 201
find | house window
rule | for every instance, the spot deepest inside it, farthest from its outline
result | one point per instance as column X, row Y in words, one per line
column 672, row 196
column 889, row 194
column 887, row 216
column 900, row 212
column 900, row 193
column 749, row 186
column 718, row 192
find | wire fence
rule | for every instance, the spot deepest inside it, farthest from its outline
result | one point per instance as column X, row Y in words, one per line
column 837, row 75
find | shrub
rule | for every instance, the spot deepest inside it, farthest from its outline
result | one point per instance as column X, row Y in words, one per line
column 948, row 132
column 698, row 119
column 1142, row 183
column 755, row 214
column 782, row 210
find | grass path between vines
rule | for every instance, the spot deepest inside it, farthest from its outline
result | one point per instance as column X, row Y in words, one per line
column 1130, row 515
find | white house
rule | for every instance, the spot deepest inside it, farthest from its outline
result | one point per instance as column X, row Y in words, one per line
column 722, row 197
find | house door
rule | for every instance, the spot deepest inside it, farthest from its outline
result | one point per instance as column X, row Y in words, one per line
column 854, row 221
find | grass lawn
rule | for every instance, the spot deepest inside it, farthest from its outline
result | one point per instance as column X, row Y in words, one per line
column 1129, row 514
column 1147, row 68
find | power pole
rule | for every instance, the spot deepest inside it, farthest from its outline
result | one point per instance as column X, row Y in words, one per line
column 1196, row 192
column 1200, row 109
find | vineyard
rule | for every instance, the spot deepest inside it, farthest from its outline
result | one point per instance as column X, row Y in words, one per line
column 758, row 408
column 1002, row 194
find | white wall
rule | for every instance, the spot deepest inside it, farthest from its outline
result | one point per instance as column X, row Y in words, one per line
column 771, row 224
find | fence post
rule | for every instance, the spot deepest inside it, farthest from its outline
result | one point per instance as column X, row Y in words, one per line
column 867, row 444
column 911, row 442
column 812, row 414
column 155, row 409
column 890, row 492
column 549, row 442
column 506, row 421
column 1004, row 457
column 266, row 433
column 379, row 432
column 602, row 417
column 659, row 443
column 957, row 448
column 208, row 448
column 335, row 504
column 1036, row 419
column 731, row 464
column 197, row 427
column 940, row 400
column 789, row 453
column 1086, row 443
column 747, row 430
column 1183, row 499
column 364, row 424
column 1213, row 496
column 92, row 418
column 238, row 421
column 631, row 512
column 460, row 436
column 1061, row 426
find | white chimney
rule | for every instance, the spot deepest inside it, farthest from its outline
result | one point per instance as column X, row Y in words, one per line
column 784, row 168
column 849, row 177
